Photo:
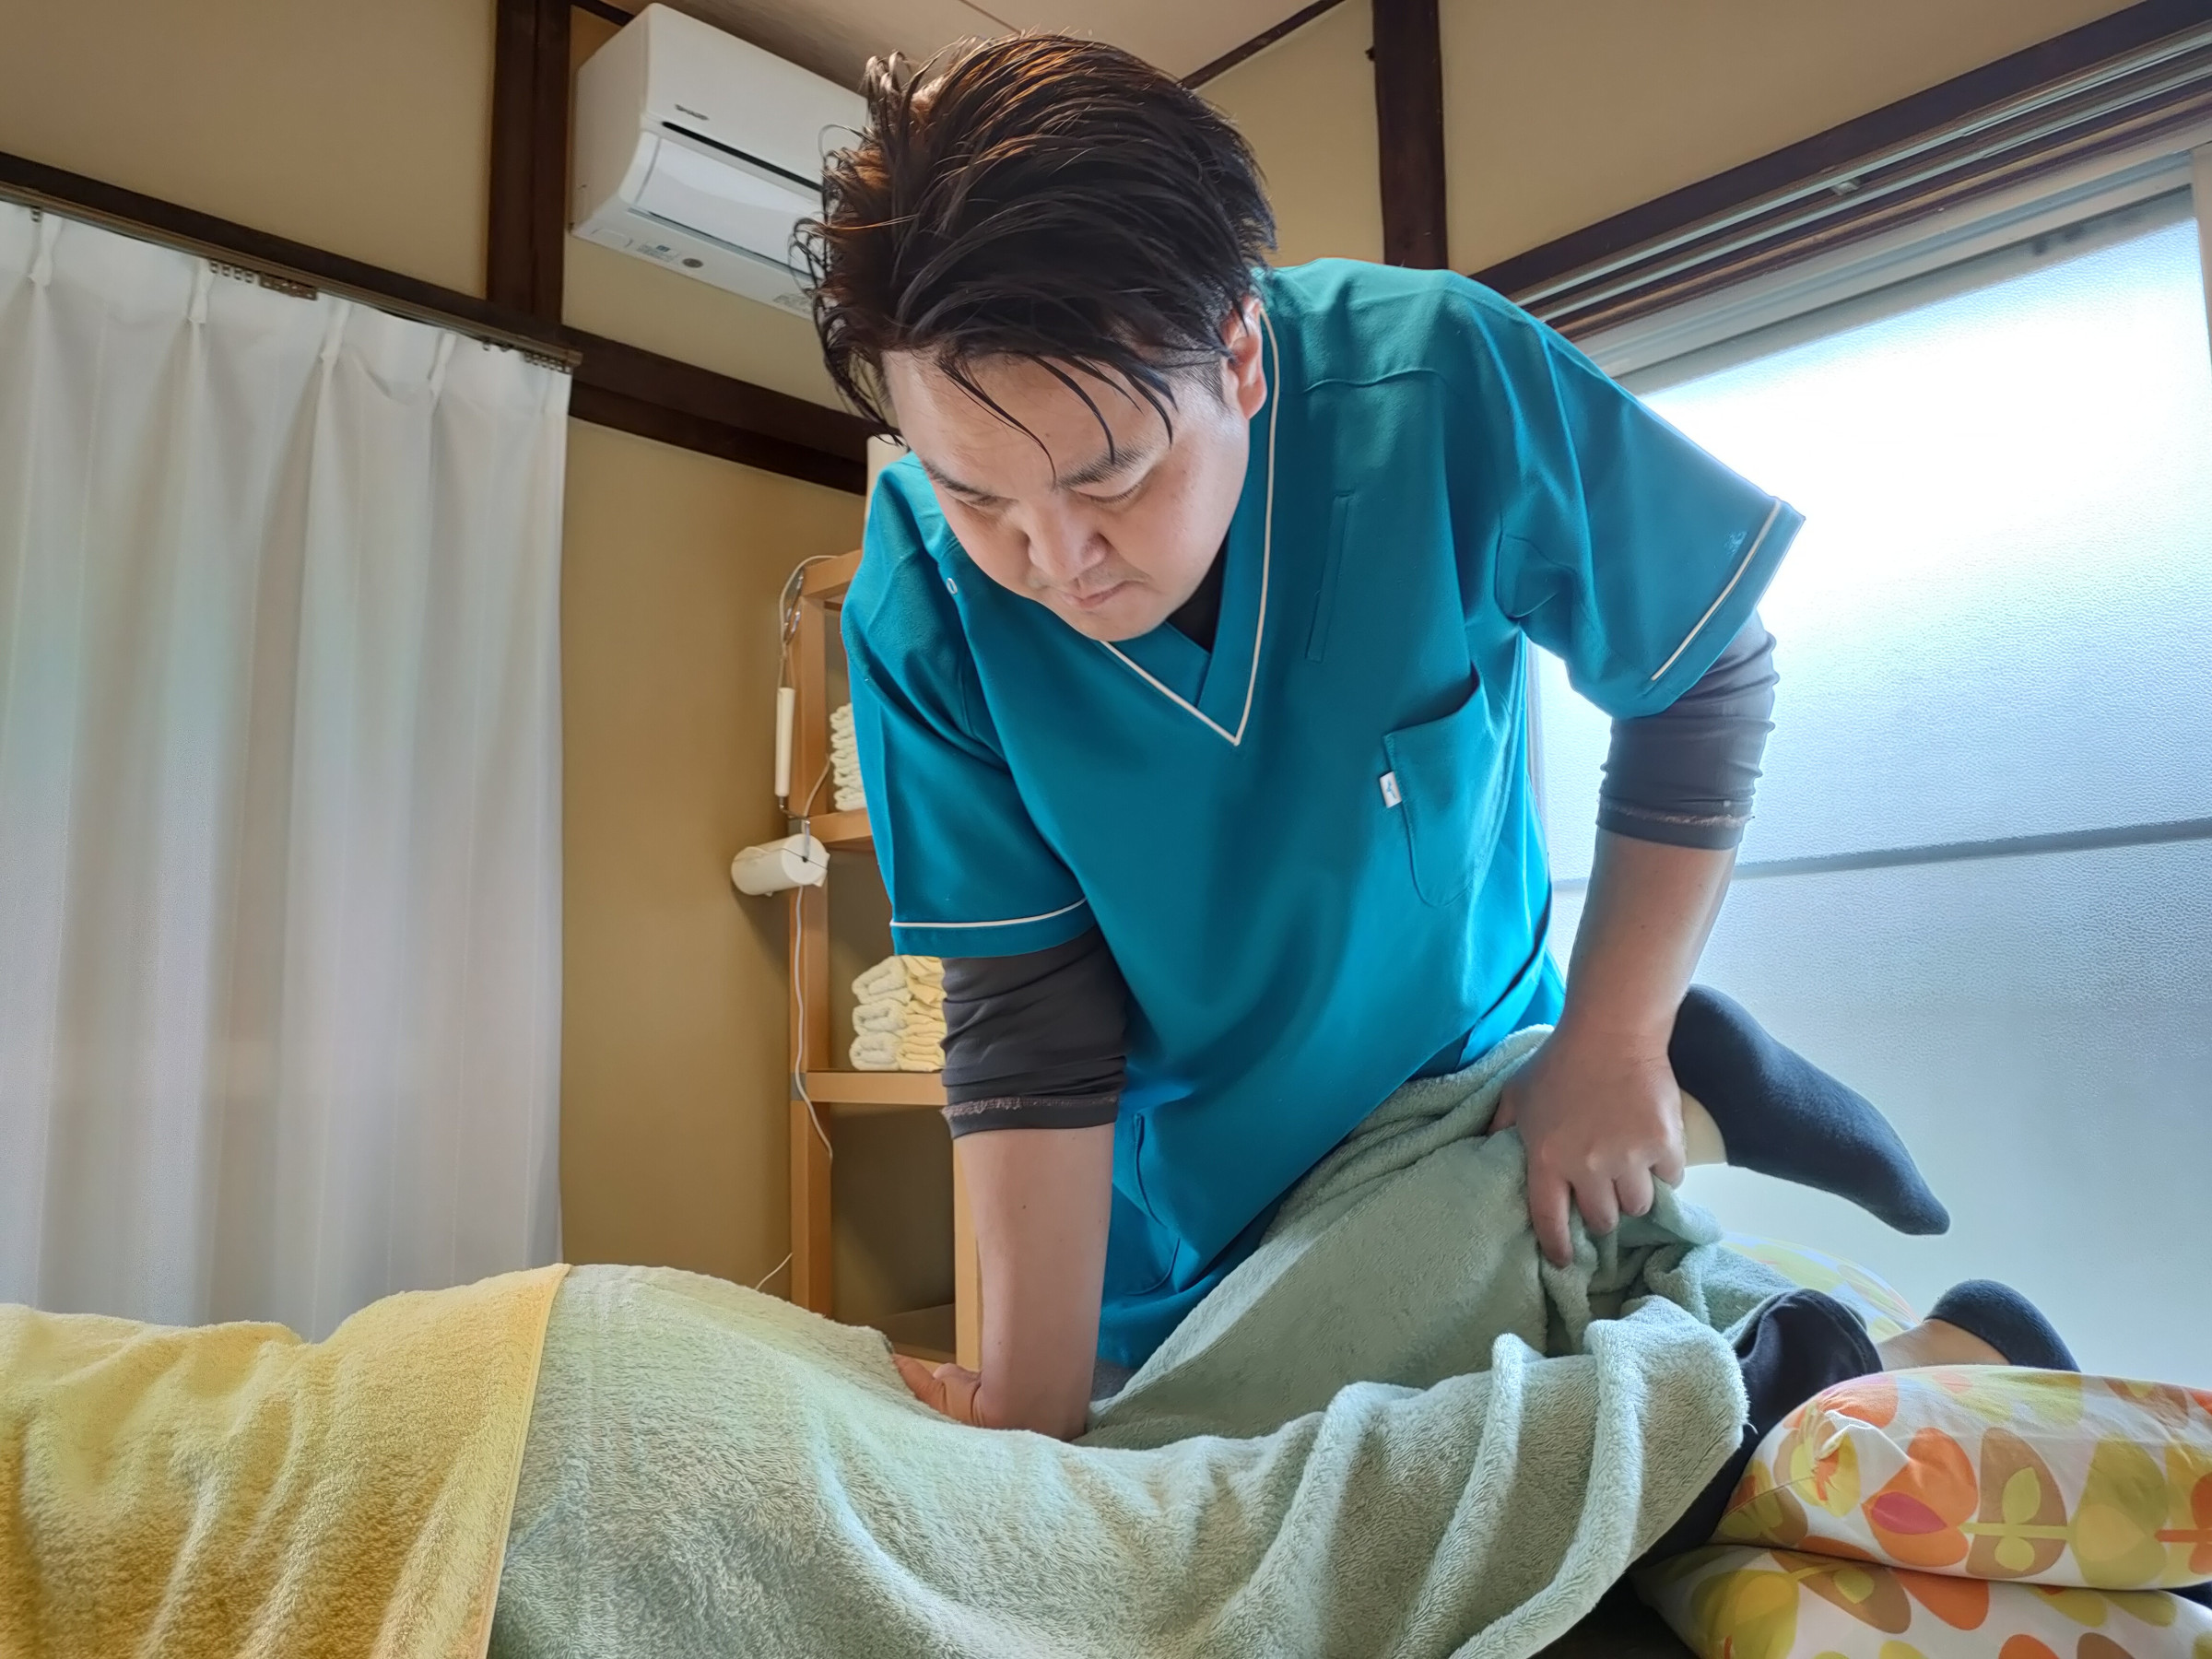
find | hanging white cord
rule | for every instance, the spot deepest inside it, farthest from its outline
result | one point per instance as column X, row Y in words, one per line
column 798, row 1058
column 788, row 621
column 774, row 1271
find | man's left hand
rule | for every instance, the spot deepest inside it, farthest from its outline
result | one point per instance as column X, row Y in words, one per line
column 1602, row 1116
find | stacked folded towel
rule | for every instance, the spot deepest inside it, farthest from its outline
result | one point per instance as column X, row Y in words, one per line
column 844, row 761
column 898, row 1015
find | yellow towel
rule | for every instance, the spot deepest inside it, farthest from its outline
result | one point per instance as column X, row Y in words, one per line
column 235, row 1490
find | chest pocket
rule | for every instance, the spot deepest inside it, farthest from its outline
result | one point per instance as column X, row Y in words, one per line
column 1452, row 795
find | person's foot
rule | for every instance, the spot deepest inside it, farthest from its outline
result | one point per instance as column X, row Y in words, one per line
column 1782, row 1115
column 1936, row 1342
column 1979, row 1322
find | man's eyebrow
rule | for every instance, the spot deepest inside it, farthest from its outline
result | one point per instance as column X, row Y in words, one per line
column 949, row 482
column 1106, row 465
column 1113, row 461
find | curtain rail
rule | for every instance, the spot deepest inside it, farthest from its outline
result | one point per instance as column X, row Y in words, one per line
column 70, row 196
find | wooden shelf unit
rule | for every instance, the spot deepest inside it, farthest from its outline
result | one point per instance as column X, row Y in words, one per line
column 836, row 1092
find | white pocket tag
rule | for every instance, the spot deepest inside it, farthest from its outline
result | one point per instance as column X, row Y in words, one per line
column 1389, row 781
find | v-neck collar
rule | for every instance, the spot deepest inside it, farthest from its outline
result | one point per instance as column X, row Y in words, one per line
column 1219, row 687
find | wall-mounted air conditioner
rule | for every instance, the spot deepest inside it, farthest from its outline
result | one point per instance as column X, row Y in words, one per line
column 700, row 151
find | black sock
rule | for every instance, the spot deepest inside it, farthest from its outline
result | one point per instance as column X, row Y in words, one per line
column 1783, row 1116
column 2007, row 1321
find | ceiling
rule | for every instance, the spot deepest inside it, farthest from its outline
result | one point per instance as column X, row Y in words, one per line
column 836, row 38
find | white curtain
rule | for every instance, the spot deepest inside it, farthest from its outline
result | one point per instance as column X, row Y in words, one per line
column 279, row 791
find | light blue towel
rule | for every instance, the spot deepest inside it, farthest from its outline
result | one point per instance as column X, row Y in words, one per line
column 1355, row 1446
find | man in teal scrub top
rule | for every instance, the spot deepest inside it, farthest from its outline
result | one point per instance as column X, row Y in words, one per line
column 1189, row 655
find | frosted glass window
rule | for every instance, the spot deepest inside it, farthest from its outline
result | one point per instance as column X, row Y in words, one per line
column 1996, row 621
column 2039, row 1030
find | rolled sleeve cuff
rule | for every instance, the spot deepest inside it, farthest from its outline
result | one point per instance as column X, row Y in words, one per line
column 1033, row 1112
column 1015, row 935
column 1711, row 832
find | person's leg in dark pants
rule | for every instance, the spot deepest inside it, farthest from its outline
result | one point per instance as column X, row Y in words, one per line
column 1795, row 1345
column 1802, row 1342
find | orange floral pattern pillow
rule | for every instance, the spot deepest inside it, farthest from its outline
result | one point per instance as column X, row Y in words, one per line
column 1991, row 1472
column 1739, row 1602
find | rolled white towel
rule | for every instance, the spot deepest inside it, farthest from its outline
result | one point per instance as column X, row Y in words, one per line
column 880, row 1017
column 881, row 981
column 875, row 1050
column 930, row 1059
column 926, row 996
column 852, row 800
column 923, row 968
column 842, row 716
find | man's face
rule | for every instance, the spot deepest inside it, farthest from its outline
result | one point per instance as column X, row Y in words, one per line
column 1110, row 537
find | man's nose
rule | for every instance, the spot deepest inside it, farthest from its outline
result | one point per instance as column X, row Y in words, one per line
column 1064, row 545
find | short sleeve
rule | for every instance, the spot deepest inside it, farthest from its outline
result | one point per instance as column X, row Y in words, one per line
column 966, row 869
column 1620, row 546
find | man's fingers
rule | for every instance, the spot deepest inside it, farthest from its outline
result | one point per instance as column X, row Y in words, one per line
column 921, row 1381
column 960, row 1386
column 1632, row 1191
column 1507, row 1114
column 1671, row 1166
column 1595, row 1200
column 1547, row 1213
column 946, row 1389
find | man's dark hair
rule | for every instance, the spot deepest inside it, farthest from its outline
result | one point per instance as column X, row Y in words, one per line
column 1038, row 197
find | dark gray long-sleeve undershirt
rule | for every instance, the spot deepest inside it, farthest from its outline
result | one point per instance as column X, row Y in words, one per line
column 1039, row 1041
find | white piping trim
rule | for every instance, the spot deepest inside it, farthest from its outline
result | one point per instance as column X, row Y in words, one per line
column 1259, row 633
column 1009, row 922
column 1758, row 542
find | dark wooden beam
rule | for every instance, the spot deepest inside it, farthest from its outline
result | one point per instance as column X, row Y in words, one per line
column 1259, row 43
column 654, row 397
column 529, row 155
column 615, row 386
column 1409, row 131
column 617, row 14
column 1800, row 169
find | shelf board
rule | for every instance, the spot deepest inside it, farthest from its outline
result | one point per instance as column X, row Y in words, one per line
column 877, row 1091
column 831, row 577
column 842, row 831
column 924, row 1333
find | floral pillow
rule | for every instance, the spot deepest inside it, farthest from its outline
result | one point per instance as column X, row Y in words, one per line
column 1992, row 1472
column 1880, row 1309
column 1739, row 1602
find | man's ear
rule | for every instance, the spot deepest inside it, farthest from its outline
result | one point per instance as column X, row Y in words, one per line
column 1244, row 335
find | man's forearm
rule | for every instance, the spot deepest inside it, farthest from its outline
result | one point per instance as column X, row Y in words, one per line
column 1645, row 919
column 1039, row 1199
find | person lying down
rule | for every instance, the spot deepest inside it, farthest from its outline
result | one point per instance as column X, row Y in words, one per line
column 1396, row 1427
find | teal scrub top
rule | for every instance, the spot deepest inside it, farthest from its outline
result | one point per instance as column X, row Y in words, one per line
column 1312, row 851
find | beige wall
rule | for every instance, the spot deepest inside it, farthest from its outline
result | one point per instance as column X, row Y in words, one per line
column 1559, row 112
column 363, row 127
column 673, row 1044
column 1308, row 108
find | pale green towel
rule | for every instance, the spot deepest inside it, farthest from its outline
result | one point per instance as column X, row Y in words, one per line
column 1353, row 1447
